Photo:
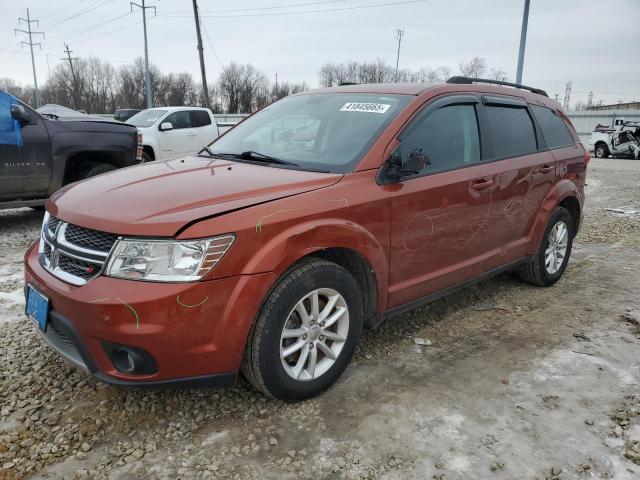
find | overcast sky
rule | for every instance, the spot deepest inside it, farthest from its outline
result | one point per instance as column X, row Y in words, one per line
column 593, row 43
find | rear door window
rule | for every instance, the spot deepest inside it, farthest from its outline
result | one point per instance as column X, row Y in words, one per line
column 555, row 132
column 200, row 118
column 511, row 131
column 446, row 139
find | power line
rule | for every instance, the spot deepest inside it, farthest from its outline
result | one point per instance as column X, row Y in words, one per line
column 215, row 52
column 58, row 12
column 90, row 28
column 271, row 7
column 146, row 48
column 86, row 40
column 30, row 32
column 304, row 12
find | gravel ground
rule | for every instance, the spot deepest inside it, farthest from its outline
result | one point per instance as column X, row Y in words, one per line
column 503, row 380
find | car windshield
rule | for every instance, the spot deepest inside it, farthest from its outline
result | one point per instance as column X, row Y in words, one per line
column 146, row 118
column 329, row 132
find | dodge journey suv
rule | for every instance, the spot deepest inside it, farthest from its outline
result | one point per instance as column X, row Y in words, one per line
column 324, row 213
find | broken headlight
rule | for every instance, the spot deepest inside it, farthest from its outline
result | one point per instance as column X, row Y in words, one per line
column 167, row 260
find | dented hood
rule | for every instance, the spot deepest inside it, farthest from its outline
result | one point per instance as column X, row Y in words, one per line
column 159, row 198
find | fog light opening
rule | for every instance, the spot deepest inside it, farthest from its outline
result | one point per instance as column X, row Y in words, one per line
column 127, row 360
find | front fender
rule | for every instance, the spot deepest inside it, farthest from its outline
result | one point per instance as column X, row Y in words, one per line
column 296, row 242
column 561, row 190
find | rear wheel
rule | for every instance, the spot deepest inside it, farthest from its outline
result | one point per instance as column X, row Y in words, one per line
column 550, row 262
column 601, row 151
column 306, row 332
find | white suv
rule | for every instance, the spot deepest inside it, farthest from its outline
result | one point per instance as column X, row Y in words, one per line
column 173, row 132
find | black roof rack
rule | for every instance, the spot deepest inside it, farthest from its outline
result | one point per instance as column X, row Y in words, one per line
column 470, row 80
column 345, row 84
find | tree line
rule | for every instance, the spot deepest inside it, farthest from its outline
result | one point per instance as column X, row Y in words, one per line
column 96, row 86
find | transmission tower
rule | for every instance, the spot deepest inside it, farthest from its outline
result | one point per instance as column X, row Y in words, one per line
column 31, row 33
column 567, row 96
column 590, row 100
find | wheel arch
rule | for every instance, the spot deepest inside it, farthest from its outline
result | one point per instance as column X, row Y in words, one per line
column 75, row 161
column 563, row 194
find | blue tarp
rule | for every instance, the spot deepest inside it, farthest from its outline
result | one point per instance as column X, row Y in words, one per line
column 10, row 133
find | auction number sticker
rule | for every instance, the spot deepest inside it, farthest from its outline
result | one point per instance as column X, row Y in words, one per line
column 365, row 107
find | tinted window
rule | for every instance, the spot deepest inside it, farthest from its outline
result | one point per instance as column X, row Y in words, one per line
column 179, row 120
column 445, row 139
column 200, row 118
column 555, row 132
column 511, row 131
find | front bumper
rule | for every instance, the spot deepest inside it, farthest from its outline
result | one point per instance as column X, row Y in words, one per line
column 195, row 332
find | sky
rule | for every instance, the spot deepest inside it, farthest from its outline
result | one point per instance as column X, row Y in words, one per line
column 595, row 44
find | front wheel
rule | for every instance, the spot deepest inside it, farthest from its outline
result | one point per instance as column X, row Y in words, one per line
column 550, row 262
column 306, row 332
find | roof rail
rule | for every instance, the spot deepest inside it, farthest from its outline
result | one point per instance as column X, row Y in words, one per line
column 345, row 84
column 470, row 80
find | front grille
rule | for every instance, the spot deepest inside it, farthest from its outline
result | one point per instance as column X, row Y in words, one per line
column 78, row 268
column 90, row 239
column 72, row 253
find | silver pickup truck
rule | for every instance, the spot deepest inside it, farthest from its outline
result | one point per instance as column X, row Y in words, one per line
column 620, row 141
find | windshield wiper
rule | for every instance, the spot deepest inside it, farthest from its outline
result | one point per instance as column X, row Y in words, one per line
column 208, row 150
column 254, row 156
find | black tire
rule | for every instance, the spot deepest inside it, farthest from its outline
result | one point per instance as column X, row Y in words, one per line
column 88, row 170
column 146, row 157
column 601, row 151
column 262, row 364
column 536, row 271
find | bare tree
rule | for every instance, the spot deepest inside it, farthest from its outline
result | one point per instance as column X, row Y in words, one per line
column 475, row 68
column 498, row 74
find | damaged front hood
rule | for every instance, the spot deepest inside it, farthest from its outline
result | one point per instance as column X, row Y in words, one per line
column 159, row 198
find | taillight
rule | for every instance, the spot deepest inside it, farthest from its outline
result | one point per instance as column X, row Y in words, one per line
column 587, row 158
column 139, row 147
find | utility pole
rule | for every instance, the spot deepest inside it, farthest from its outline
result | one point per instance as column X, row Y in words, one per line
column 73, row 75
column 399, row 35
column 276, row 95
column 523, row 41
column 146, row 48
column 567, row 97
column 30, row 32
column 205, row 90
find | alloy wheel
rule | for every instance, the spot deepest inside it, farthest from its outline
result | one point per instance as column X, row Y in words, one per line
column 314, row 334
column 556, row 247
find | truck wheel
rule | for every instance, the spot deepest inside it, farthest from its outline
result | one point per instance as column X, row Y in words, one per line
column 602, row 151
column 146, row 157
column 92, row 169
column 306, row 333
column 549, row 264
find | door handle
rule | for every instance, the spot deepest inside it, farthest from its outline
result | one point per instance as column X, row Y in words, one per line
column 545, row 168
column 482, row 184
column 191, row 134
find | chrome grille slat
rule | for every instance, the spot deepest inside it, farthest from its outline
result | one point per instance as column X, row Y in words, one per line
column 72, row 253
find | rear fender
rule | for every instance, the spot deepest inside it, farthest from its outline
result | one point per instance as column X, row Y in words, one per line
column 561, row 190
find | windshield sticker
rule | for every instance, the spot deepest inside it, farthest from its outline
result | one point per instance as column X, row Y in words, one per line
column 365, row 107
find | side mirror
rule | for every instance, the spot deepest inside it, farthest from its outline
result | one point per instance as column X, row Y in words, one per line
column 164, row 126
column 19, row 113
column 395, row 170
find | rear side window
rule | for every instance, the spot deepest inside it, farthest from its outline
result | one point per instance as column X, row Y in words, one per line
column 200, row 118
column 555, row 132
column 511, row 131
column 447, row 138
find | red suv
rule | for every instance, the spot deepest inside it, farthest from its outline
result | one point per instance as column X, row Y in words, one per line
column 320, row 215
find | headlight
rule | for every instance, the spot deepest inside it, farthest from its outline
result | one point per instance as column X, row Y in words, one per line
column 167, row 260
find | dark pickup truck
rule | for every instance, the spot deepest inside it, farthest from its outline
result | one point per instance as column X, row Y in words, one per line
column 38, row 155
